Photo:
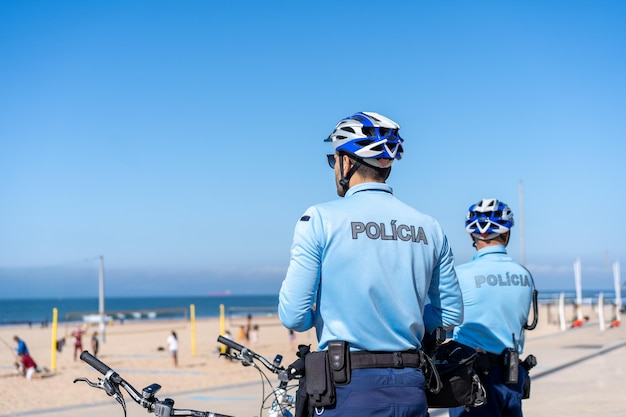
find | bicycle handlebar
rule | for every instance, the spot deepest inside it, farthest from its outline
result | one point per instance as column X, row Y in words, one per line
column 248, row 354
column 95, row 363
column 112, row 380
column 231, row 343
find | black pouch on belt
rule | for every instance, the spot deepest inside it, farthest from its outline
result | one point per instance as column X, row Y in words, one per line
column 339, row 355
column 529, row 363
column 510, row 359
column 319, row 383
column 526, row 391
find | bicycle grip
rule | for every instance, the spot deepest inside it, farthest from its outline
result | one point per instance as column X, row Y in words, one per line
column 230, row 343
column 94, row 362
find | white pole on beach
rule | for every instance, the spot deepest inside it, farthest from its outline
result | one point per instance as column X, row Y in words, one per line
column 101, row 298
column 562, row 311
column 601, row 311
column 618, row 290
column 579, row 289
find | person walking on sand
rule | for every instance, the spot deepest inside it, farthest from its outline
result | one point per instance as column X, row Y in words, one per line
column 248, row 327
column 497, row 293
column 172, row 347
column 94, row 343
column 77, row 334
column 372, row 275
column 254, row 334
column 292, row 339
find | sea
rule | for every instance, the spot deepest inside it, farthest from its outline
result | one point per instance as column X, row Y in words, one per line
column 39, row 312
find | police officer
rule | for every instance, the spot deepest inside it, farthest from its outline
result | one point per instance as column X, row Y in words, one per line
column 497, row 295
column 361, row 270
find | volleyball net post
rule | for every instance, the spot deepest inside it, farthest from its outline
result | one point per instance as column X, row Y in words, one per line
column 54, row 347
column 192, row 316
column 222, row 327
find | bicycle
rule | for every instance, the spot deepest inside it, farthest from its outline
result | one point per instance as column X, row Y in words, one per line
column 282, row 401
column 112, row 382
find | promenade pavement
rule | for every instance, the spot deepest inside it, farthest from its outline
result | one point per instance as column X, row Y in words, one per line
column 580, row 372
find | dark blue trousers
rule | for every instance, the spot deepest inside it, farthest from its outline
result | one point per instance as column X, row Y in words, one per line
column 380, row 392
column 502, row 400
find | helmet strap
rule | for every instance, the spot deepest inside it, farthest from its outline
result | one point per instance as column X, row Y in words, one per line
column 506, row 237
column 503, row 239
column 344, row 181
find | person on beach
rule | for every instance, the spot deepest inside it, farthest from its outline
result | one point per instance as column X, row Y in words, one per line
column 94, row 343
column 497, row 294
column 292, row 339
column 27, row 366
column 60, row 344
column 248, row 326
column 226, row 349
column 372, row 275
column 172, row 347
column 77, row 334
column 21, row 347
column 254, row 334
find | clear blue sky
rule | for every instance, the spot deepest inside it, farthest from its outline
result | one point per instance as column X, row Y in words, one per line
column 181, row 140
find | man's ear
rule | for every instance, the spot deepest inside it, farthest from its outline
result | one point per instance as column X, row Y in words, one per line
column 347, row 164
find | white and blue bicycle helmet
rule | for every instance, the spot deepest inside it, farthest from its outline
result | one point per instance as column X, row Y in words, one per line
column 370, row 137
column 488, row 219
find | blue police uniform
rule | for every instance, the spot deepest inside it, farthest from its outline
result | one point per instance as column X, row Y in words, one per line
column 372, row 271
column 497, row 295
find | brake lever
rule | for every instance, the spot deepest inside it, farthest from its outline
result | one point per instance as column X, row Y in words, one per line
column 245, row 357
column 245, row 360
column 112, row 389
column 91, row 384
column 229, row 357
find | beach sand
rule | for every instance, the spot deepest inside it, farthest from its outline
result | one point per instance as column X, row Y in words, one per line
column 132, row 349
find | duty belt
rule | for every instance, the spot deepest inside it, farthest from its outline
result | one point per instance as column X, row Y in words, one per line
column 486, row 361
column 406, row 359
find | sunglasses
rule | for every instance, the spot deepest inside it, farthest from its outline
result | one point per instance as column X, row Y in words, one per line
column 331, row 160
